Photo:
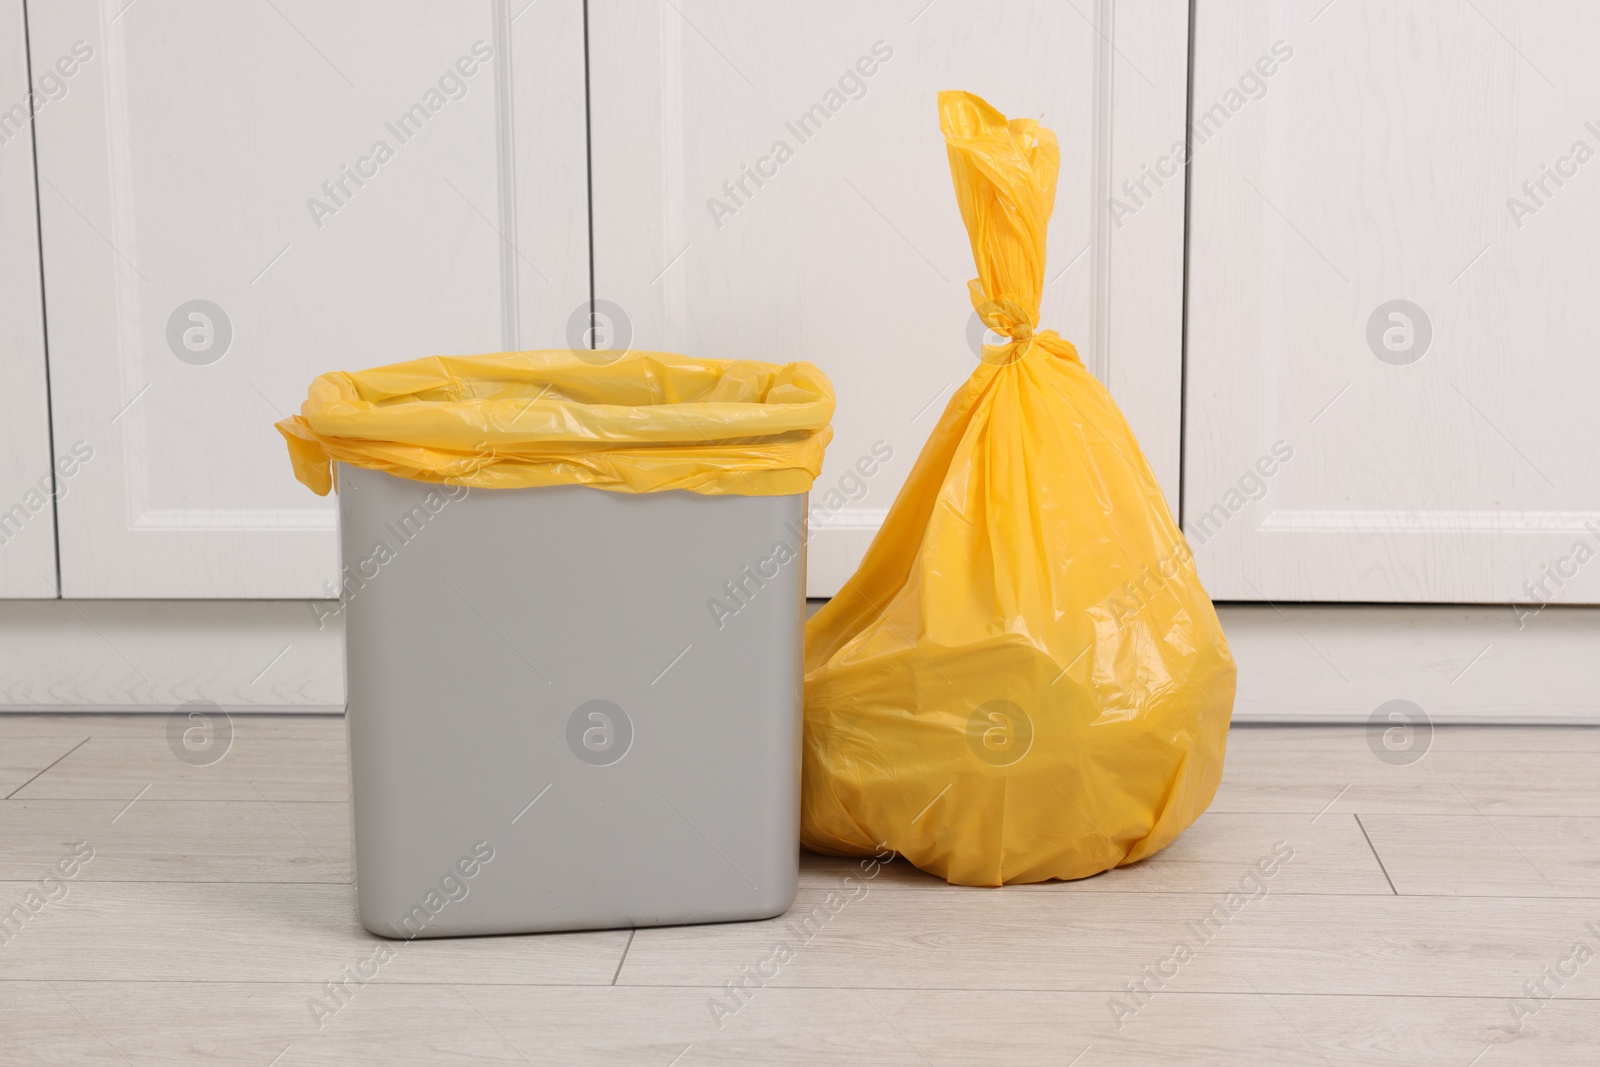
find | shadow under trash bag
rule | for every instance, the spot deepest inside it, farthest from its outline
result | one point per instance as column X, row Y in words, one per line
column 1024, row 680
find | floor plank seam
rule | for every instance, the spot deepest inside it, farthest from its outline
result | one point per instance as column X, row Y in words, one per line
column 1521, row 897
column 1496, row 998
column 216, row 881
column 58, row 759
column 180, row 800
column 1415, row 814
column 618, row 973
column 1377, row 857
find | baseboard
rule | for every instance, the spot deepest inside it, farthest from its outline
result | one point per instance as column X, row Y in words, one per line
column 1336, row 663
column 1302, row 663
column 153, row 655
column 835, row 544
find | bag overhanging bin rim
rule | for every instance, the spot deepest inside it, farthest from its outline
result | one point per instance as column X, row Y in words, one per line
column 551, row 416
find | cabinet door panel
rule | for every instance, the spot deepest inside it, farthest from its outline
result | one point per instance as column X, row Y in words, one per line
column 1390, row 372
column 27, row 514
column 770, row 182
column 239, row 197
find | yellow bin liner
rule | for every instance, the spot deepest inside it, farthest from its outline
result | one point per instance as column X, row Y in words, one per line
column 641, row 422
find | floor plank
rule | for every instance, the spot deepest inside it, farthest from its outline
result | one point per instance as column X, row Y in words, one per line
column 1501, row 855
column 1278, row 944
column 154, row 724
column 23, row 758
column 259, row 768
column 169, row 932
column 387, row 1023
column 1253, row 737
column 180, row 840
column 1352, row 778
column 245, row 841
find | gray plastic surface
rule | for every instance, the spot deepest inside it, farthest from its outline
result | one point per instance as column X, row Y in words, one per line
column 482, row 626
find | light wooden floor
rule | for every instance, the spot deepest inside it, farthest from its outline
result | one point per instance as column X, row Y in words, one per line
column 1419, row 901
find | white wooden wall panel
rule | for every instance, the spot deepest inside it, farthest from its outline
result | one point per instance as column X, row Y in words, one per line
column 852, row 255
column 1380, row 163
column 27, row 515
column 180, row 167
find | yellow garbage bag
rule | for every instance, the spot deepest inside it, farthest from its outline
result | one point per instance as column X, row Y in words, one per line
column 645, row 422
column 1024, row 680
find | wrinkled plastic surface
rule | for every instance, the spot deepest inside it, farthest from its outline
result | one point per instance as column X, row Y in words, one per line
column 647, row 422
column 1024, row 680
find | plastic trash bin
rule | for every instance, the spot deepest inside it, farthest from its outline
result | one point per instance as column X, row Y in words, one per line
column 570, row 709
column 573, row 589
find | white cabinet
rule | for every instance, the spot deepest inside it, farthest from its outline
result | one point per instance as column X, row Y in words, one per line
column 1391, row 370
column 236, row 198
column 337, row 190
column 1364, row 376
column 1389, row 209
column 770, row 182
column 27, row 509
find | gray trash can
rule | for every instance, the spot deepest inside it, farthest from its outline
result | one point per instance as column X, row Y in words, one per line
column 569, row 708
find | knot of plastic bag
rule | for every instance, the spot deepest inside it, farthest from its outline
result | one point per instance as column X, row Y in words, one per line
column 1012, row 320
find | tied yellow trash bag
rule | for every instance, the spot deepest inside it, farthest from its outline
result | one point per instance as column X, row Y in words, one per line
column 1024, row 680
column 642, row 423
